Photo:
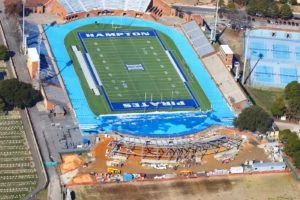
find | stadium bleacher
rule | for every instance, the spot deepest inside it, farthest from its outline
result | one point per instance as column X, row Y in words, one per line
column 74, row 6
column 197, row 38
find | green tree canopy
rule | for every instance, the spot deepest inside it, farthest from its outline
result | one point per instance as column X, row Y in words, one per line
column 278, row 107
column 231, row 6
column 3, row 52
column 286, row 11
column 283, row 1
column 270, row 9
column 293, row 2
column 292, row 97
column 284, row 134
column 252, row 8
column 18, row 94
column 2, row 105
column 292, row 90
column 296, row 159
column 291, row 145
column 253, row 118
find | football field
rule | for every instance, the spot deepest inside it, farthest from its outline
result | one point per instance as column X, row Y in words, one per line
column 135, row 69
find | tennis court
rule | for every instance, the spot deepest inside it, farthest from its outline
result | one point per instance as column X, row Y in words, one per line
column 274, row 57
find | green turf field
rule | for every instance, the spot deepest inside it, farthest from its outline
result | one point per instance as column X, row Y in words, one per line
column 159, row 80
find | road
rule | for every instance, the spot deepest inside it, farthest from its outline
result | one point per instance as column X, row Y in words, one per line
column 195, row 9
column 286, row 125
column 14, row 43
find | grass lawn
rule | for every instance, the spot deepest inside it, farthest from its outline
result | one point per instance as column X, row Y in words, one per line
column 159, row 80
column 155, row 77
column 264, row 97
column 43, row 195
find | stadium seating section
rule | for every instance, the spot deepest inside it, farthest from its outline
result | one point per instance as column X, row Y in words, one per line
column 197, row 38
column 74, row 6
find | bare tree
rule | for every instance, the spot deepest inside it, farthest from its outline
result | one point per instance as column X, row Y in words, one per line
column 13, row 7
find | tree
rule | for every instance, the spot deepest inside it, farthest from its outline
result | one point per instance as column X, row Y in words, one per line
column 270, row 10
column 231, row 6
column 3, row 52
column 18, row 94
column 284, row 134
column 253, row 118
column 292, row 90
column 293, row 2
column 221, row 3
column 286, row 12
column 252, row 8
column 278, row 107
column 292, row 97
column 283, row 1
column 2, row 105
column 292, row 144
column 13, row 7
column 296, row 159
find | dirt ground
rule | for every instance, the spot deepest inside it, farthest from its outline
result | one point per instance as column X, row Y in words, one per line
column 296, row 8
column 190, row 2
column 249, row 187
column 234, row 39
column 249, row 151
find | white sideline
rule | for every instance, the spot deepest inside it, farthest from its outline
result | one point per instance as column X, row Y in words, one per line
column 86, row 71
column 94, row 69
column 175, row 66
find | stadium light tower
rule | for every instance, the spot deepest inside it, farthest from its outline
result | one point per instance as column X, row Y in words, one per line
column 23, row 31
column 246, row 54
column 214, row 30
column 40, row 37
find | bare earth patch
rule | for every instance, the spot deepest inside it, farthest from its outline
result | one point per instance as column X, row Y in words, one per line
column 249, row 187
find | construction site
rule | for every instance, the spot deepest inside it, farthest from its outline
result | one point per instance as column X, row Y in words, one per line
column 121, row 157
column 163, row 153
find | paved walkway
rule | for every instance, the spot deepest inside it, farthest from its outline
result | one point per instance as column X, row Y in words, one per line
column 287, row 125
column 14, row 43
column 224, row 80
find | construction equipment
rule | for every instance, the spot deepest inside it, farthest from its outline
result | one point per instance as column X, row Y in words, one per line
column 113, row 170
column 186, row 173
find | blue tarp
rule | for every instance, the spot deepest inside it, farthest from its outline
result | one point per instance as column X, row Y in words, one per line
column 127, row 177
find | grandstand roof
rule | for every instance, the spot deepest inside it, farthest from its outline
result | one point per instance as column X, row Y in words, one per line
column 33, row 54
column 74, row 6
column 226, row 49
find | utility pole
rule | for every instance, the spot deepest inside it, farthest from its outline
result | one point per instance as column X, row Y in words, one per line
column 23, row 31
column 246, row 54
column 214, row 31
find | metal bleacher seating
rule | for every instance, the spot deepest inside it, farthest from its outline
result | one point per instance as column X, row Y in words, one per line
column 92, row 4
column 137, row 5
column 73, row 6
column 197, row 38
column 114, row 4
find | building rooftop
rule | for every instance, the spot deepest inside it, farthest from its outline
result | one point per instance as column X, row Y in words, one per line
column 33, row 54
column 275, row 164
column 226, row 49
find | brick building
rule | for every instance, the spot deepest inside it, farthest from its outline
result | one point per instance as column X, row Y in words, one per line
column 33, row 62
column 226, row 55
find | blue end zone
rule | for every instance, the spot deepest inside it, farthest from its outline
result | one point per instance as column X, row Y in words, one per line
column 139, row 105
column 152, row 105
column 116, row 34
